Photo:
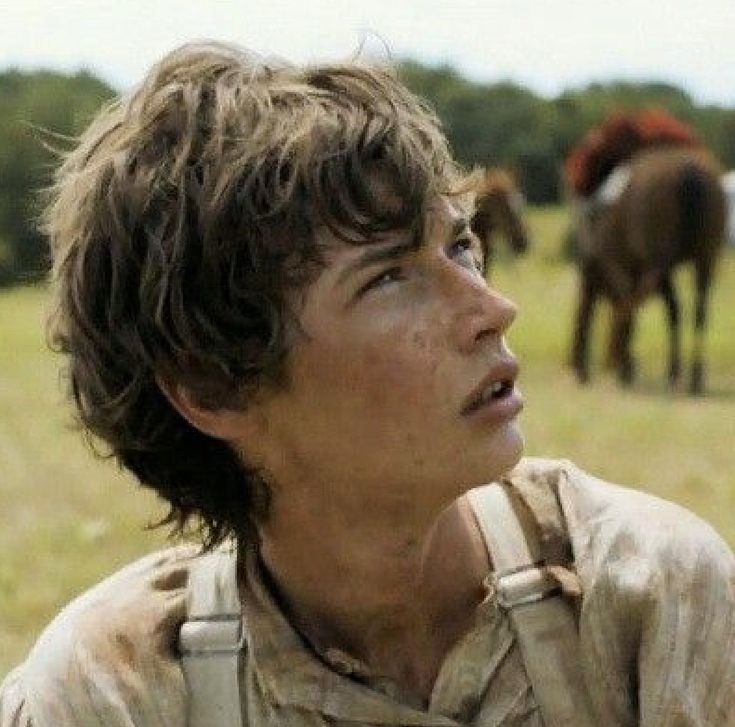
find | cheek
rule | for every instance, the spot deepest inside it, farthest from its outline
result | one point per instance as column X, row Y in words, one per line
column 397, row 371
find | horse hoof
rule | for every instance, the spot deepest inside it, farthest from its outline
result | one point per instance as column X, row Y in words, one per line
column 581, row 372
column 696, row 385
column 626, row 375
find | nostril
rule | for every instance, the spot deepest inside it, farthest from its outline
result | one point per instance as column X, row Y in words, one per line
column 484, row 333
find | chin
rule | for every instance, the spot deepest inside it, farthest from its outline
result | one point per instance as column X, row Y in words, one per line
column 505, row 454
column 487, row 463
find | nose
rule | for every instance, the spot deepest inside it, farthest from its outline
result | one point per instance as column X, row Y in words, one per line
column 481, row 314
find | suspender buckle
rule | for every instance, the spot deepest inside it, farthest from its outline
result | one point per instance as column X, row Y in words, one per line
column 212, row 635
column 527, row 584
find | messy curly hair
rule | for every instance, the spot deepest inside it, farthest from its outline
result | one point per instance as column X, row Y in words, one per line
column 180, row 223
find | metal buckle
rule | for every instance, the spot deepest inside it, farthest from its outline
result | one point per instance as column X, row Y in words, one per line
column 212, row 636
column 528, row 584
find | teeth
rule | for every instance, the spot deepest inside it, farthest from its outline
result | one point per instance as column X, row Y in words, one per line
column 492, row 390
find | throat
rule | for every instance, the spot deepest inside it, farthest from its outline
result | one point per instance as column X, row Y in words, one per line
column 397, row 609
column 413, row 663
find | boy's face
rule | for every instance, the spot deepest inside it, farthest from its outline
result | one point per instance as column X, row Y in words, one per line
column 389, row 392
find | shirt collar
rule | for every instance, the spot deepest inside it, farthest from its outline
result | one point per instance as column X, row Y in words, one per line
column 294, row 674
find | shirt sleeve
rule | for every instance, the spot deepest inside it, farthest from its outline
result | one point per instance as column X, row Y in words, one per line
column 657, row 623
column 687, row 652
column 109, row 659
column 13, row 712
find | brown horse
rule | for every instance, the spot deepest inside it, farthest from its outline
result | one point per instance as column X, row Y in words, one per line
column 662, row 208
column 499, row 210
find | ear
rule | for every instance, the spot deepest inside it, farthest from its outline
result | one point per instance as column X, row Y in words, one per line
column 229, row 425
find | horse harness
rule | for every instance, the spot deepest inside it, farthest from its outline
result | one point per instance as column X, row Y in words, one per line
column 212, row 639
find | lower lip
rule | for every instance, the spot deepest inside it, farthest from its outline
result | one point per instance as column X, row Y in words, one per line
column 498, row 410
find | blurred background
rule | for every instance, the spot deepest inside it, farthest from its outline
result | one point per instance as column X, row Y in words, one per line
column 517, row 85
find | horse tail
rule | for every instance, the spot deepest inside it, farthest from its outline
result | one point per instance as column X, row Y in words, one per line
column 694, row 190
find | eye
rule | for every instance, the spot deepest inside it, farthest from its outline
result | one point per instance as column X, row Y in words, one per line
column 467, row 250
column 383, row 279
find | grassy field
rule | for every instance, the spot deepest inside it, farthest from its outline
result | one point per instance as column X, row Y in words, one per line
column 66, row 519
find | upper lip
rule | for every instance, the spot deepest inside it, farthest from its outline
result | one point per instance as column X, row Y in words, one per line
column 504, row 370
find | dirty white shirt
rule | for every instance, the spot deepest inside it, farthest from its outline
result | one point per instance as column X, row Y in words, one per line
column 657, row 634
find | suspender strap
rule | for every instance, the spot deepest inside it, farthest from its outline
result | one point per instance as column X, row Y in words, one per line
column 212, row 641
column 543, row 621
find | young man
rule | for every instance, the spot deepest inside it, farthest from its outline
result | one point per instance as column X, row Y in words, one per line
column 275, row 313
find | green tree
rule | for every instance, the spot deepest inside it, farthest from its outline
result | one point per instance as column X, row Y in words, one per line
column 36, row 109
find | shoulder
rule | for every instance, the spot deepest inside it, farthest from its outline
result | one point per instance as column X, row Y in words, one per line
column 109, row 658
column 658, row 598
column 624, row 538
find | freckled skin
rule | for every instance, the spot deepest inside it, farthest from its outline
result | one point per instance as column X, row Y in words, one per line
column 378, row 380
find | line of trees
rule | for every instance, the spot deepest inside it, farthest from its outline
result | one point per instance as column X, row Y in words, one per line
column 490, row 124
column 507, row 125
column 37, row 110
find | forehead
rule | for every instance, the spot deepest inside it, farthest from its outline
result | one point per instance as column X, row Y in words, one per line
column 442, row 214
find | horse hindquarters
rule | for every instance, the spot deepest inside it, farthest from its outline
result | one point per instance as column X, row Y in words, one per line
column 675, row 213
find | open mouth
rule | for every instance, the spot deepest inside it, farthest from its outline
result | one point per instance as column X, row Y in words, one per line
column 494, row 391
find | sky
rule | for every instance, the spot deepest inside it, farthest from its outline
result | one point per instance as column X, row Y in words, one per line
column 547, row 45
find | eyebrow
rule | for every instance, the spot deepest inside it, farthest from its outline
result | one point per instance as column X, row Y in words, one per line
column 398, row 250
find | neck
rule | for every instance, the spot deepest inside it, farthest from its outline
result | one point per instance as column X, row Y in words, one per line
column 395, row 592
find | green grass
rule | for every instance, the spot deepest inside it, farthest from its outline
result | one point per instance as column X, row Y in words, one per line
column 68, row 518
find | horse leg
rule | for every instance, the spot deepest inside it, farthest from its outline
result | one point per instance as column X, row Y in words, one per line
column 666, row 288
column 620, row 341
column 614, row 342
column 703, row 279
column 588, row 295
